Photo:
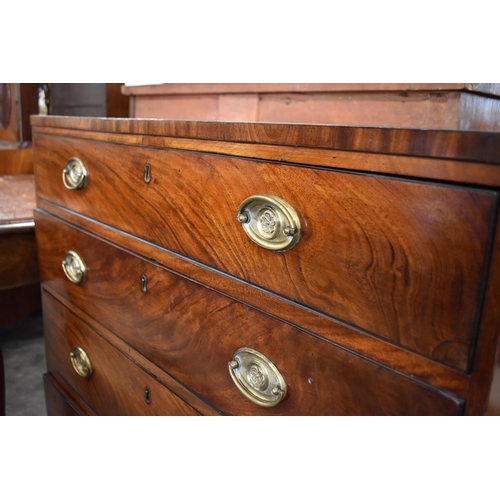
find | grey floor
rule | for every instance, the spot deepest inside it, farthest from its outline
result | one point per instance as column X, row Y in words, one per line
column 24, row 364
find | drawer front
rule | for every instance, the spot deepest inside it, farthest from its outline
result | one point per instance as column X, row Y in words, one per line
column 400, row 260
column 116, row 386
column 58, row 404
column 192, row 333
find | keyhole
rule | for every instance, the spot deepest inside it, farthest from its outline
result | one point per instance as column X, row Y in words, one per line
column 144, row 283
column 147, row 174
column 147, row 396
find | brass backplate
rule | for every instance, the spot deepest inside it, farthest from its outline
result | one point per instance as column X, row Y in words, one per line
column 75, row 174
column 74, row 268
column 257, row 377
column 81, row 362
column 270, row 222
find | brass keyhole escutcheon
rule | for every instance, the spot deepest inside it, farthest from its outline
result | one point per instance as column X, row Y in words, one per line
column 270, row 222
column 257, row 378
column 147, row 174
column 74, row 268
column 81, row 362
column 75, row 174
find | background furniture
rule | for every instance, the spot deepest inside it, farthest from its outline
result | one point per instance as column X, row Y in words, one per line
column 17, row 102
column 461, row 106
column 2, row 386
column 19, row 278
column 357, row 268
column 88, row 99
column 19, row 275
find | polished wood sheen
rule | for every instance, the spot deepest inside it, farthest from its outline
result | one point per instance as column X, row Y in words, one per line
column 459, row 145
column 117, row 385
column 181, row 323
column 58, row 401
column 374, row 252
column 388, row 304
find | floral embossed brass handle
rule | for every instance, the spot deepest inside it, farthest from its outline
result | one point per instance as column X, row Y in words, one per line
column 75, row 174
column 257, row 377
column 81, row 362
column 270, row 222
column 74, row 268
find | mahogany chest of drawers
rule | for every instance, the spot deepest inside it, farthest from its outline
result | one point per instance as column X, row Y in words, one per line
column 266, row 269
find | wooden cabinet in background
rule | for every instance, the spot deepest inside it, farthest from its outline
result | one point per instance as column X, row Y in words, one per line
column 460, row 106
column 18, row 101
column 19, row 277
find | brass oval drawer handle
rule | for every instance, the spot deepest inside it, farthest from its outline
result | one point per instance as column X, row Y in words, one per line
column 75, row 174
column 270, row 222
column 257, row 377
column 81, row 362
column 74, row 268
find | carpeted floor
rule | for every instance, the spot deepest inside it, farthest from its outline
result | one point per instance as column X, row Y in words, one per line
column 24, row 364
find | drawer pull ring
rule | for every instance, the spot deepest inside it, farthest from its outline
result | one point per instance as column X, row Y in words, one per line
column 270, row 222
column 257, row 377
column 75, row 174
column 74, row 268
column 81, row 362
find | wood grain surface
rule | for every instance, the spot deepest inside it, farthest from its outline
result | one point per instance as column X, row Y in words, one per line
column 117, row 385
column 473, row 173
column 383, row 352
column 414, row 109
column 192, row 332
column 16, row 161
column 60, row 402
column 459, row 145
column 425, row 106
column 400, row 260
column 17, row 197
column 18, row 260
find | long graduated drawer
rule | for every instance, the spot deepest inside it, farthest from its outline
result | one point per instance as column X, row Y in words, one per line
column 373, row 251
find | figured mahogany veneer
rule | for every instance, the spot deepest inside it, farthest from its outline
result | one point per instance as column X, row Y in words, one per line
column 401, row 260
column 117, row 385
column 192, row 332
column 388, row 304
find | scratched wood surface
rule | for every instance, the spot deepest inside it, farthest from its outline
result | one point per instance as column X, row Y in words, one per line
column 400, row 260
